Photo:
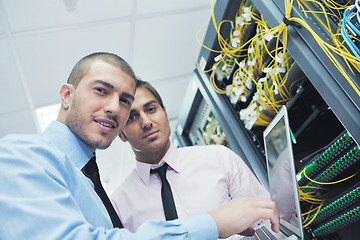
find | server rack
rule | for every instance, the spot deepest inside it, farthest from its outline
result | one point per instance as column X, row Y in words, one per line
column 325, row 87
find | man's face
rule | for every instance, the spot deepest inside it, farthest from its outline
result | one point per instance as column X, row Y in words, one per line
column 147, row 129
column 100, row 105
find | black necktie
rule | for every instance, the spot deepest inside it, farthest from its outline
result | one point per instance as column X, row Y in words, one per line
column 91, row 170
column 166, row 194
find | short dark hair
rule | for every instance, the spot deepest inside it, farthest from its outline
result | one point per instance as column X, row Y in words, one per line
column 148, row 86
column 84, row 64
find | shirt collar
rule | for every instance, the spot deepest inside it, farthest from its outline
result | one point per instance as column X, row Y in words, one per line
column 71, row 145
column 171, row 158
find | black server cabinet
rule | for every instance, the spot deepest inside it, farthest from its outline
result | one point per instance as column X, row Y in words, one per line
column 324, row 114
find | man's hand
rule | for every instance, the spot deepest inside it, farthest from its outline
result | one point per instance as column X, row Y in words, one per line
column 237, row 215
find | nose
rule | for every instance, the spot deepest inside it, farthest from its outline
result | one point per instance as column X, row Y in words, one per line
column 112, row 105
column 145, row 121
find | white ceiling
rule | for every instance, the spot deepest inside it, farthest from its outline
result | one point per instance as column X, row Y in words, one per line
column 41, row 40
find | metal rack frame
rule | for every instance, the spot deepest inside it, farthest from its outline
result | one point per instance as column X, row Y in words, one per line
column 328, row 81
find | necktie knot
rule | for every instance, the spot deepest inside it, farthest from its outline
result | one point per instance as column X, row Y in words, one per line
column 161, row 170
column 91, row 167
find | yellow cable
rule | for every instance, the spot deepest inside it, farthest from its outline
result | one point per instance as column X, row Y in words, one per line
column 328, row 183
column 307, row 224
column 325, row 47
column 341, row 52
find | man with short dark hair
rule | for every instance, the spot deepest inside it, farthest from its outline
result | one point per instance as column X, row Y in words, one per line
column 201, row 178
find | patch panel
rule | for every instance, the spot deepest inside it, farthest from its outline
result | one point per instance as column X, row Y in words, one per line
column 338, row 223
column 336, row 168
column 329, row 155
column 342, row 203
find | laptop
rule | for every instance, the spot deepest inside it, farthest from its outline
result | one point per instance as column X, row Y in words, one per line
column 282, row 180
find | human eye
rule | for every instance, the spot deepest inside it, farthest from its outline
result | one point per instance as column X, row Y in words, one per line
column 151, row 109
column 101, row 90
column 125, row 100
column 131, row 118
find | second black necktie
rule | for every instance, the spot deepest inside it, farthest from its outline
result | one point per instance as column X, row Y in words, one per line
column 166, row 194
column 91, row 170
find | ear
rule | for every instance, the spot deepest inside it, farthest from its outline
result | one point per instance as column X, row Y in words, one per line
column 122, row 136
column 66, row 94
column 167, row 116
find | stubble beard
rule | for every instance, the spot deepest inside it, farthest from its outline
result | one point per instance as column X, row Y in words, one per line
column 75, row 123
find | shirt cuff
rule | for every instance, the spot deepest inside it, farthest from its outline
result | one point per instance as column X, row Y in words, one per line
column 201, row 226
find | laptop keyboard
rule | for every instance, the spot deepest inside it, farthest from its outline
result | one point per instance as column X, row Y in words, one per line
column 261, row 233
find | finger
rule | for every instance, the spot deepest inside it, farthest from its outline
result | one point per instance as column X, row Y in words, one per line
column 275, row 221
column 275, row 226
column 272, row 214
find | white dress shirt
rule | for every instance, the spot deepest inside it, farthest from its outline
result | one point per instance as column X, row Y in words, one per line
column 202, row 178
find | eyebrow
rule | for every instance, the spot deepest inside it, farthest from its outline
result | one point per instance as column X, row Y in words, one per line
column 105, row 84
column 145, row 105
column 128, row 95
column 149, row 103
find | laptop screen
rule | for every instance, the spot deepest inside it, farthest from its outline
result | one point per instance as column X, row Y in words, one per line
column 281, row 172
